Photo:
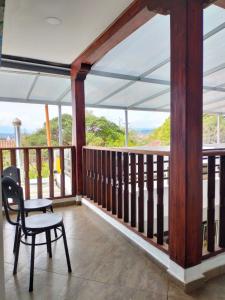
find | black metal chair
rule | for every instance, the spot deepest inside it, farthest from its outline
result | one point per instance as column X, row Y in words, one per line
column 29, row 205
column 31, row 226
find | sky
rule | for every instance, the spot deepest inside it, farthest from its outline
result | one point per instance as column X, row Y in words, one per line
column 33, row 116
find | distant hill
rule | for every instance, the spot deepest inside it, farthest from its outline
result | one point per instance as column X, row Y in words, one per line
column 144, row 131
column 4, row 136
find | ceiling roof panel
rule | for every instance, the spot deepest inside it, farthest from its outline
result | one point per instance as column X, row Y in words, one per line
column 50, row 88
column 28, row 34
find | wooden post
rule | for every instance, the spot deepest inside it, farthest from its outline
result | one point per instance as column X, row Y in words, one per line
column 78, row 110
column 48, row 129
column 185, row 217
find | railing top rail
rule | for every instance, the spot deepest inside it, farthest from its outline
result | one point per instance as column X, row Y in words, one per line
column 154, row 151
column 214, row 152
column 162, row 151
column 37, row 147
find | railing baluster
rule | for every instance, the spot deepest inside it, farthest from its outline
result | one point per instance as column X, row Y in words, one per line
column 126, row 187
column 211, row 204
column 103, row 180
column 62, row 175
column 99, row 179
column 160, row 192
column 51, row 172
column 108, row 181
column 222, row 203
column 113, row 168
column 92, row 173
column 140, row 193
column 1, row 160
column 89, row 173
column 26, row 173
column 133, row 189
column 95, row 175
column 119, row 192
column 13, row 157
column 39, row 177
column 150, row 201
column 73, row 173
column 84, row 168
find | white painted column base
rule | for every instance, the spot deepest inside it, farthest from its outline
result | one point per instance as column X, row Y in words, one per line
column 78, row 199
column 186, row 277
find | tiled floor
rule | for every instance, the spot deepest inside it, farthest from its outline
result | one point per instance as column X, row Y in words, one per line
column 105, row 266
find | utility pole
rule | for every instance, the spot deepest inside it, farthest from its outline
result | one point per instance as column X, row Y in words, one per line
column 126, row 128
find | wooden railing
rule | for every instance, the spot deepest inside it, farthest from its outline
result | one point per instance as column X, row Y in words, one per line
column 43, row 170
column 214, row 203
column 129, row 185
column 132, row 186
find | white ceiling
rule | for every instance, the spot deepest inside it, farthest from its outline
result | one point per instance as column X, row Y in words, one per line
column 27, row 34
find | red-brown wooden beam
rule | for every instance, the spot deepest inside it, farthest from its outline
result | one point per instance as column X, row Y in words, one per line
column 220, row 3
column 185, row 217
column 78, row 111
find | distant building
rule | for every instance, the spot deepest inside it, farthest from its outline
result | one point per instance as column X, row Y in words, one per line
column 7, row 143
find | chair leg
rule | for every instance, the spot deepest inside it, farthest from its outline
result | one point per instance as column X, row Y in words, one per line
column 17, row 250
column 32, row 264
column 46, row 235
column 66, row 249
column 15, row 240
column 49, row 245
column 55, row 229
column 16, row 234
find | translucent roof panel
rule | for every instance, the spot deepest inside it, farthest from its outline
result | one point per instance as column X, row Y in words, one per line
column 142, row 50
column 157, row 102
column 213, row 96
column 215, row 79
column 162, row 73
column 15, row 85
column 49, row 88
column 213, row 17
column 97, row 88
column 215, row 106
column 214, row 51
column 67, row 98
column 131, row 96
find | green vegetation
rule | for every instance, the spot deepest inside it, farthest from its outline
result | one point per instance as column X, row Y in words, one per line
column 38, row 138
column 102, row 132
column 99, row 132
column 44, row 172
column 162, row 134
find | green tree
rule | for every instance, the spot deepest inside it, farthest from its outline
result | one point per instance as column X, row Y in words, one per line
column 99, row 132
column 38, row 138
column 162, row 134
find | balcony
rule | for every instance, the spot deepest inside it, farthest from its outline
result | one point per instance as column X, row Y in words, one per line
column 141, row 222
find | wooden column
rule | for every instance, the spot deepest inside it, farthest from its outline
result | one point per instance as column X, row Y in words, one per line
column 78, row 110
column 185, row 217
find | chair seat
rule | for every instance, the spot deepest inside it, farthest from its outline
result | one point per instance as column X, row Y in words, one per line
column 37, row 204
column 43, row 221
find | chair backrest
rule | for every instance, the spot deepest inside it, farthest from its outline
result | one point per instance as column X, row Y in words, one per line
column 11, row 190
column 12, row 172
